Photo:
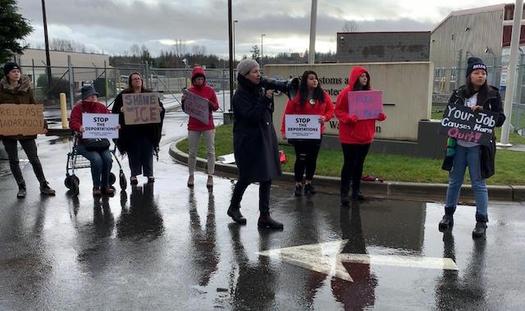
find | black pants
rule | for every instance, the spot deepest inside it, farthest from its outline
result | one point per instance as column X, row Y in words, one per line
column 264, row 195
column 140, row 156
column 29, row 146
column 354, row 158
column 306, row 152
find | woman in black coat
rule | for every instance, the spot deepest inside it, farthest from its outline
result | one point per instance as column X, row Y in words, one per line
column 254, row 142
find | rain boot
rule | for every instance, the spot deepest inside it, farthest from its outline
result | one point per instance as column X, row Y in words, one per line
column 21, row 191
column 46, row 190
column 481, row 227
column 267, row 222
column 447, row 222
column 235, row 213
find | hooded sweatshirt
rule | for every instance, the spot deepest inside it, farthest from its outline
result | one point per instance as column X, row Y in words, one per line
column 207, row 92
column 351, row 130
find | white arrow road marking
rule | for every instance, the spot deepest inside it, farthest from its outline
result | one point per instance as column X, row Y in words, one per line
column 327, row 258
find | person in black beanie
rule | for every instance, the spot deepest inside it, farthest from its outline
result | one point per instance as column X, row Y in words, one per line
column 479, row 159
column 15, row 88
column 254, row 143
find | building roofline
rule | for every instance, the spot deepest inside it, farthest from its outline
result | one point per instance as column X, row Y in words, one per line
column 68, row 52
column 483, row 9
column 380, row 32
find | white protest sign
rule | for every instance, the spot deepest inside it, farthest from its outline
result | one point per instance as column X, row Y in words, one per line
column 141, row 108
column 302, row 126
column 196, row 106
column 100, row 125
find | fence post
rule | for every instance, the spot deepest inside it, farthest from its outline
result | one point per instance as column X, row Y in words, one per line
column 106, row 83
column 71, row 82
column 33, row 68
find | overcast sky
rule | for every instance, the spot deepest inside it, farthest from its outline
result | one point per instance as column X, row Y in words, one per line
column 112, row 26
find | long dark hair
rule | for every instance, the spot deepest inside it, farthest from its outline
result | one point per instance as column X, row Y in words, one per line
column 303, row 88
column 483, row 91
column 359, row 87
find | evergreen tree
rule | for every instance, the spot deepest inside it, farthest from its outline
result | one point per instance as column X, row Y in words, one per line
column 13, row 27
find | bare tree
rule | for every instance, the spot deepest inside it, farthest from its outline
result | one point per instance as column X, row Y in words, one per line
column 134, row 50
column 198, row 50
column 67, row 45
column 350, row 26
column 180, row 48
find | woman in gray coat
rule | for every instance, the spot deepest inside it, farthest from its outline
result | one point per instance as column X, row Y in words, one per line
column 254, row 142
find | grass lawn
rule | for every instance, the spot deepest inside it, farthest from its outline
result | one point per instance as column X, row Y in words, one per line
column 509, row 164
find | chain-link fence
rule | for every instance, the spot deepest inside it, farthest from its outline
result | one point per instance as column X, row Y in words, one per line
column 109, row 81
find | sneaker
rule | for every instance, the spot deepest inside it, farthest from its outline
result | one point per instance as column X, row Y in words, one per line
column 209, row 182
column 267, row 222
column 309, row 189
column 133, row 180
column 479, row 230
column 235, row 214
column 298, row 190
column 46, row 190
column 446, row 223
column 191, row 181
column 21, row 193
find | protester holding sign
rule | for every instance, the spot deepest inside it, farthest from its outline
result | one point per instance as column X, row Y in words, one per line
column 15, row 88
column 97, row 153
column 198, row 128
column 310, row 100
column 254, row 143
column 463, row 151
column 141, row 140
column 355, row 135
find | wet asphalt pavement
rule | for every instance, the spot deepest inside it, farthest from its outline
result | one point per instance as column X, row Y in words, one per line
column 163, row 246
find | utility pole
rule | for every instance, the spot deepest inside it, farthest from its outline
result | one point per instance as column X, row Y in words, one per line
column 46, row 42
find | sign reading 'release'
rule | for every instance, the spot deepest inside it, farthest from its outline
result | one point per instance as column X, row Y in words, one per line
column 302, row 126
column 365, row 105
column 100, row 125
column 141, row 108
column 462, row 123
column 196, row 106
column 26, row 120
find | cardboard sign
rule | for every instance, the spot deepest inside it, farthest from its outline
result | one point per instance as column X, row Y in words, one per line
column 302, row 126
column 365, row 105
column 141, row 108
column 196, row 106
column 26, row 120
column 462, row 123
column 100, row 125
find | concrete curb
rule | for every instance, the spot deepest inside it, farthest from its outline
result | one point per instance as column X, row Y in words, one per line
column 388, row 189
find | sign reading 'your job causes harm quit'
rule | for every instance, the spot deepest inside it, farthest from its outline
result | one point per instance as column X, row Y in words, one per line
column 100, row 125
column 24, row 120
column 141, row 108
column 196, row 106
column 302, row 126
column 462, row 123
column 366, row 105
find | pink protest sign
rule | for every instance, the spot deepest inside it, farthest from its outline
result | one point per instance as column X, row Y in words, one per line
column 365, row 105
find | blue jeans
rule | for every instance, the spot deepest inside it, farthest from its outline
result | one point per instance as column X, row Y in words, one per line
column 467, row 157
column 101, row 162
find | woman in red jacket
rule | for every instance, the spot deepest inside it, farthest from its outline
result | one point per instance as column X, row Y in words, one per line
column 311, row 100
column 196, row 128
column 355, row 135
column 100, row 160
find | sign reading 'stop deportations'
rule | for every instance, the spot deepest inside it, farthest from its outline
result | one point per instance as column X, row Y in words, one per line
column 24, row 120
column 302, row 126
column 462, row 123
column 100, row 125
column 141, row 108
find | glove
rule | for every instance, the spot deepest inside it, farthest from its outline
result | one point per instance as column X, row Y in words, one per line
column 381, row 117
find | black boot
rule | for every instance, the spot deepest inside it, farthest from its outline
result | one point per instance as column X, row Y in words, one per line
column 309, row 189
column 21, row 191
column 46, row 190
column 235, row 214
column 480, row 230
column 345, row 200
column 298, row 190
column 266, row 222
column 446, row 223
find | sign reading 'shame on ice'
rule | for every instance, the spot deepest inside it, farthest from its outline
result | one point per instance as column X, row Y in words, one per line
column 462, row 123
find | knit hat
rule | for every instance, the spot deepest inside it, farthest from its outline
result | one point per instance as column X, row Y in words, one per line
column 87, row 90
column 475, row 63
column 10, row 66
column 245, row 66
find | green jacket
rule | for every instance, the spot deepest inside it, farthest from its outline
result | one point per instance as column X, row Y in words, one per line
column 20, row 94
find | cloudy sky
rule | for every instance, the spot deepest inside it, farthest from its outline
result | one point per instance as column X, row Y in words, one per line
column 112, row 26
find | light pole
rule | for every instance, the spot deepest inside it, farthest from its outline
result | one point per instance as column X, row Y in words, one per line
column 46, row 43
column 234, row 22
column 313, row 28
column 262, row 48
